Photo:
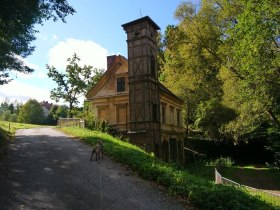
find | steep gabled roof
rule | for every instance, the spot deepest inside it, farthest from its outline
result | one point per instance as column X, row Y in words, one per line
column 113, row 67
column 116, row 63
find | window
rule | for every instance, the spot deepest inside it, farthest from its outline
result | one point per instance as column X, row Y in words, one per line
column 178, row 117
column 171, row 115
column 121, row 84
column 163, row 107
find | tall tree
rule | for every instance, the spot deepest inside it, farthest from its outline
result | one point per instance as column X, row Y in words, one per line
column 254, row 49
column 228, row 50
column 17, row 30
column 73, row 83
column 31, row 112
column 191, row 60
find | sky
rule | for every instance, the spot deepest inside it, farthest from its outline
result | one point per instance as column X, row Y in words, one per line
column 93, row 33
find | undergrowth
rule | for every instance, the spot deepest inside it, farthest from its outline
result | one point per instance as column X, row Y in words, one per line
column 200, row 192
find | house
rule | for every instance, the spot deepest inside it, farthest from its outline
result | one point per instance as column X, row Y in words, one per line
column 131, row 99
column 46, row 106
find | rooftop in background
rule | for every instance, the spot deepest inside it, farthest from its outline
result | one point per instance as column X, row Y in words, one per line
column 46, row 104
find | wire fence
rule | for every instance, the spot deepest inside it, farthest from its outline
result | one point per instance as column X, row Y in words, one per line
column 269, row 197
column 69, row 122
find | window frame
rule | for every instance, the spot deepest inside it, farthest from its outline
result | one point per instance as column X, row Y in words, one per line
column 121, row 86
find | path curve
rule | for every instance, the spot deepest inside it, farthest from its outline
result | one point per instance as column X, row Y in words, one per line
column 45, row 169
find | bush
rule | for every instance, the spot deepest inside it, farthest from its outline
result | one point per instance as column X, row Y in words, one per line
column 222, row 162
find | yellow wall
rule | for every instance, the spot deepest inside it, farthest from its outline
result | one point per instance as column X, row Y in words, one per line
column 113, row 107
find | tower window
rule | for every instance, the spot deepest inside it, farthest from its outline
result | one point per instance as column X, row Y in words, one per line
column 121, row 84
column 153, row 66
column 155, row 113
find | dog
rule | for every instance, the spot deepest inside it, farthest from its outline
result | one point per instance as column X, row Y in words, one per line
column 98, row 150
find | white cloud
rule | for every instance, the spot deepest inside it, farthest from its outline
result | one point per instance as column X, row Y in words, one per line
column 54, row 37
column 27, row 63
column 16, row 74
column 41, row 75
column 16, row 90
column 89, row 52
column 41, row 36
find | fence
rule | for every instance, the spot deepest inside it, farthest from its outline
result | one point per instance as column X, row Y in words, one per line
column 68, row 122
column 270, row 197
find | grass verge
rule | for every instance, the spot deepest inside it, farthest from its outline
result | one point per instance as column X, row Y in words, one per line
column 200, row 192
column 8, row 129
column 11, row 127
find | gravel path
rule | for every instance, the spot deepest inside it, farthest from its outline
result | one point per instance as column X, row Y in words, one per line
column 45, row 169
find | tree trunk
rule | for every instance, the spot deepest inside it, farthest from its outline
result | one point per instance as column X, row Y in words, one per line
column 70, row 110
column 273, row 118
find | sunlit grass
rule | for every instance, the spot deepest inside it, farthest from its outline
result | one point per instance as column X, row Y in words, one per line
column 8, row 130
column 200, row 192
column 12, row 126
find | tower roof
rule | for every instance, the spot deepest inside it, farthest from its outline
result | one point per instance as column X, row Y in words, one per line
column 146, row 18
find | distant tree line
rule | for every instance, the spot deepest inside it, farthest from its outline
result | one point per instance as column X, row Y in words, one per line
column 32, row 112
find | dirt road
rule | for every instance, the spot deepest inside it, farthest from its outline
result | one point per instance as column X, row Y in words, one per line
column 45, row 169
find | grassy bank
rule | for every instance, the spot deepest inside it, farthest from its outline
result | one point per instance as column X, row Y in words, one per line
column 200, row 192
column 8, row 129
column 11, row 127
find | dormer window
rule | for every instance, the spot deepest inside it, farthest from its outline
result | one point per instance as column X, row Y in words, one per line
column 120, row 84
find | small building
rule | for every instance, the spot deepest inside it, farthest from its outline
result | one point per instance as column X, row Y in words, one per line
column 130, row 98
column 46, row 106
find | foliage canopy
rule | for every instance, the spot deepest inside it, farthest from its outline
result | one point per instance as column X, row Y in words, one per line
column 17, row 30
column 31, row 112
column 74, row 82
column 223, row 60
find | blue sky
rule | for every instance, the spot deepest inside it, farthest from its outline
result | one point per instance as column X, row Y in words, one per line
column 93, row 32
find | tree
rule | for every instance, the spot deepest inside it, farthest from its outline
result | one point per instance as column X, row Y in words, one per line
column 9, row 110
column 31, row 112
column 211, row 116
column 4, row 106
column 229, row 51
column 254, row 50
column 17, row 30
column 191, row 61
column 56, row 112
column 74, row 83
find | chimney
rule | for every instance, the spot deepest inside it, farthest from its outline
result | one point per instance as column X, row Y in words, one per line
column 110, row 60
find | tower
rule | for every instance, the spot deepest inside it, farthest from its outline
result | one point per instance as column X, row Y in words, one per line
column 144, row 98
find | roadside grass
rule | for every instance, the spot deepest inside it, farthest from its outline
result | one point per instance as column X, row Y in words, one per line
column 200, row 192
column 8, row 129
column 261, row 178
column 13, row 126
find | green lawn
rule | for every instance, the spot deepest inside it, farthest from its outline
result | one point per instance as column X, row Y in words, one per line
column 261, row 178
column 8, row 129
column 12, row 126
column 185, row 183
